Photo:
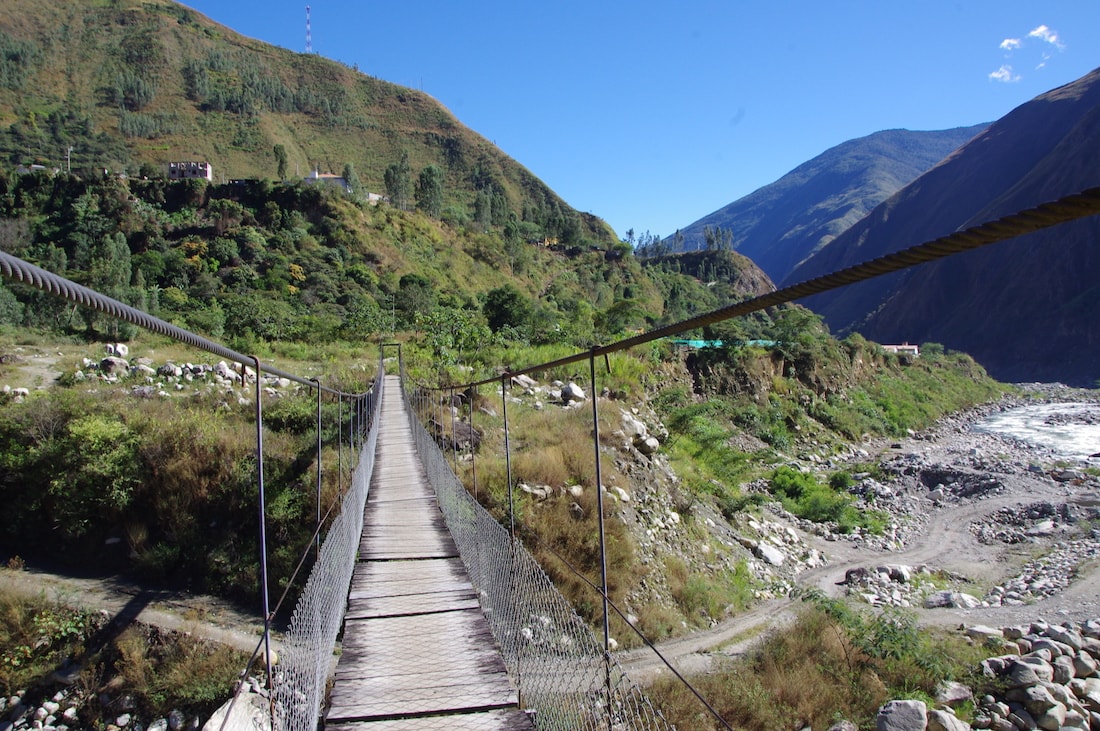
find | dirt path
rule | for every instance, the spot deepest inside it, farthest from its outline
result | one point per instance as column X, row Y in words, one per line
column 945, row 542
column 202, row 616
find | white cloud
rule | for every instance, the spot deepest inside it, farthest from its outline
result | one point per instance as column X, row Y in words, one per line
column 1005, row 75
column 1010, row 44
column 1047, row 35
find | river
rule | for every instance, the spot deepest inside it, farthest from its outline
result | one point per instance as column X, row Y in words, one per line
column 1068, row 430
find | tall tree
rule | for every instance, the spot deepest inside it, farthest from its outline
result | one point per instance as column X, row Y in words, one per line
column 351, row 178
column 280, row 161
column 483, row 211
column 429, row 191
column 507, row 307
column 399, row 183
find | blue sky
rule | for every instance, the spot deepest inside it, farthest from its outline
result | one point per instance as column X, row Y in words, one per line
column 652, row 115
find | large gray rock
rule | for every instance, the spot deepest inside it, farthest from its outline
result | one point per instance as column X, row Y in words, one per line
column 1087, row 691
column 769, row 553
column 1052, row 719
column 572, row 392
column 995, row 666
column 247, row 714
column 1029, row 671
column 950, row 693
column 902, row 716
column 1035, row 698
column 1084, row 665
column 946, row 721
column 633, row 427
column 950, row 599
column 113, row 365
column 1066, row 636
column 1064, row 669
column 1021, row 719
column 981, row 632
column 1075, row 720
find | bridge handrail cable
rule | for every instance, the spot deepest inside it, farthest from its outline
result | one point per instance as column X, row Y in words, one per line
column 1063, row 210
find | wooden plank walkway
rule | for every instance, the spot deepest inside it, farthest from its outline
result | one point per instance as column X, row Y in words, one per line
column 417, row 651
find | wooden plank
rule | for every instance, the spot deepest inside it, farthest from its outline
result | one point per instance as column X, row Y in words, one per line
column 431, row 678
column 405, row 687
column 367, row 589
column 411, row 606
column 405, row 569
column 422, row 702
column 510, row 720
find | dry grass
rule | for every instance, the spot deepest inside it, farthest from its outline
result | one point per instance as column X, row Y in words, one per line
column 808, row 675
column 830, row 664
column 172, row 670
column 703, row 597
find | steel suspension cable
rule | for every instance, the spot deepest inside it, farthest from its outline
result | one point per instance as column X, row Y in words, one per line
column 18, row 270
column 1066, row 209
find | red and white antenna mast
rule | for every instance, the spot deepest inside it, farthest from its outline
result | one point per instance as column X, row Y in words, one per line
column 309, row 36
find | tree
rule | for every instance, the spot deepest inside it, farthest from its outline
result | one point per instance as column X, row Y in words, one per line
column 507, row 307
column 351, row 178
column 429, row 191
column 398, row 182
column 109, row 273
column 414, row 294
column 280, row 161
column 717, row 238
column 452, row 331
column 483, row 211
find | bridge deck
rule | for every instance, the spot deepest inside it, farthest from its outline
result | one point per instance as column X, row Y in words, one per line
column 417, row 651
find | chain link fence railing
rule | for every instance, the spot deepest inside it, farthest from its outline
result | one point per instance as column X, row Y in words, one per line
column 560, row 669
column 305, row 666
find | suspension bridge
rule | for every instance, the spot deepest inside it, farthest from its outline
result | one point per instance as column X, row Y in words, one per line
column 424, row 611
column 415, row 646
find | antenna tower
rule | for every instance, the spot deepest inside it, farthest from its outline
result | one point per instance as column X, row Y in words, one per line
column 309, row 36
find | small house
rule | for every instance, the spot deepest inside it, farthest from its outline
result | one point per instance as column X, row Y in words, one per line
column 188, row 170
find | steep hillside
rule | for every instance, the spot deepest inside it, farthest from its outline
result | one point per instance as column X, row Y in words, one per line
column 168, row 84
column 781, row 224
column 1026, row 309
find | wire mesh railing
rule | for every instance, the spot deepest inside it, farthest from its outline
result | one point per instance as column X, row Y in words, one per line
column 297, row 685
column 562, row 672
column 304, row 669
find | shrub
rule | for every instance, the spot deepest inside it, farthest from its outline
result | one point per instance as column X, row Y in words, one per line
column 807, row 498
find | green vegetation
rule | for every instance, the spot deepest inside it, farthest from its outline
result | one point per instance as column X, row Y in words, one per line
column 163, row 489
column 807, row 498
column 261, row 262
column 832, row 663
column 706, row 597
column 160, row 671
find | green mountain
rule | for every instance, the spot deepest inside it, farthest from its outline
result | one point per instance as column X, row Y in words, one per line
column 783, row 223
column 468, row 239
column 132, row 85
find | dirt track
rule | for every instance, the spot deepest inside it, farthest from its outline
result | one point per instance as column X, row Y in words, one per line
column 945, row 542
column 202, row 616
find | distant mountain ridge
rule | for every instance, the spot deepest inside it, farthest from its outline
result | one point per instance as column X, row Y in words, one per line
column 781, row 224
column 1027, row 309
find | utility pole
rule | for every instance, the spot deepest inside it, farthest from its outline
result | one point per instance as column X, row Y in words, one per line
column 309, row 34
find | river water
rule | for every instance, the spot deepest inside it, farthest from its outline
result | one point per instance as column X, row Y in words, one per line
column 1067, row 430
